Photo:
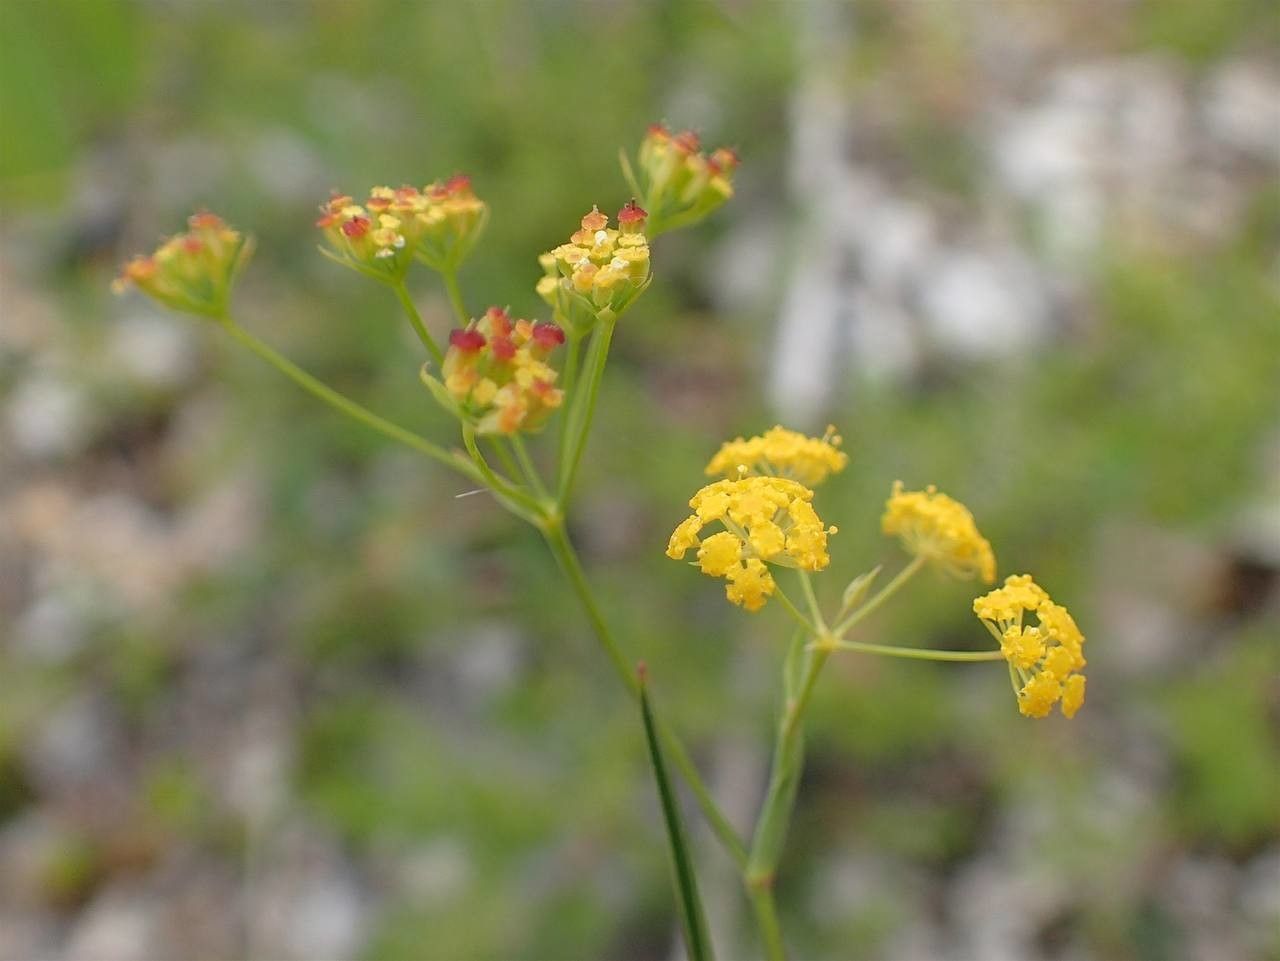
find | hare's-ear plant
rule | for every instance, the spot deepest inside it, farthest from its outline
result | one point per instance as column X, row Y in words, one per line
column 505, row 378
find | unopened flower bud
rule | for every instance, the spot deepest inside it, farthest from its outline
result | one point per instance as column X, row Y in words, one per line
column 451, row 223
column 682, row 184
column 438, row 224
column 192, row 272
column 495, row 373
column 632, row 217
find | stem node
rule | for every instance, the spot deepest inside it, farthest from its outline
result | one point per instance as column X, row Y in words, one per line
column 760, row 880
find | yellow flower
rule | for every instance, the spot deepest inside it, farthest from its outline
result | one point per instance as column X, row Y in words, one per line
column 1039, row 694
column 599, row 268
column 191, row 272
column 749, row 585
column 782, row 453
column 1044, row 656
column 765, row 519
column 937, row 528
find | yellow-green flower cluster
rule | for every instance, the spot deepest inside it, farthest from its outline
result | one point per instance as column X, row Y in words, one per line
column 682, row 184
column 939, row 529
column 599, row 268
column 1045, row 656
column 191, row 272
column 496, row 373
column 766, row 520
column 779, row 452
column 438, row 224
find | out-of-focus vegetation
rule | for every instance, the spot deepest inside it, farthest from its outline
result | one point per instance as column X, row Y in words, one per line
column 260, row 669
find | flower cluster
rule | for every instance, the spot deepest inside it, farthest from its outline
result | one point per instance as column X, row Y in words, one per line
column 767, row 520
column 1046, row 655
column 782, row 453
column 496, row 375
column 438, row 224
column 454, row 220
column 599, row 268
column 937, row 528
column 681, row 183
column 191, row 272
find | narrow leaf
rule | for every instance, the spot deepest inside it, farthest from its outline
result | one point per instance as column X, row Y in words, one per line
column 691, row 917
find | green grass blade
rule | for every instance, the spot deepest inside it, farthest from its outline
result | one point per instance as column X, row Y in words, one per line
column 692, row 918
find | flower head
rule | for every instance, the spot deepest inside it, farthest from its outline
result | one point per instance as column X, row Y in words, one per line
column 438, row 224
column 452, row 223
column 496, row 373
column 1044, row 656
column 599, row 268
column 781, row 453
column 683, row 184
column 937, row 528
column 766, row 520
column 192, row 272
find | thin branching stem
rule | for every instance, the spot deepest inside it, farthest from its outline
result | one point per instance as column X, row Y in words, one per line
column 415, row 318
column 349, row 407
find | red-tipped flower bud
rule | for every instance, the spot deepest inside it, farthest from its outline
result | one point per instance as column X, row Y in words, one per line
column 723, row 160
column 502, row 348
column 468, row 341
column 687, row 142
column 356, row 227
column 631, row 218
column 547, row 336
column 499, row 321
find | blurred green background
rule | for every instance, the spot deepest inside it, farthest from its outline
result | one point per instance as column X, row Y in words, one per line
column 268, row 689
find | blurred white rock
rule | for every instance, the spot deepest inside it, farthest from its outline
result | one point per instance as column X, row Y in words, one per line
column 302, row 897
column 48, row 416
column 287, row 167
column 153, row 350
column 1241, row 104
column 75, row 745
column 984, row 303
column 121, row 924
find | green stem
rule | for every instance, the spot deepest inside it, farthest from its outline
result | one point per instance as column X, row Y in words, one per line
column 775, row 813
column 918, row 653
column 349, row 407
column 572, row 352
column 514, row 499
column 878, row 599
column 812, row 601
column 583, row 409
column 767, row 921
column 498, row 443
column 567, row 384
column 454, row 293
column 791, row 609
column 415, row 318
column 529, row 467
column 562, row 547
